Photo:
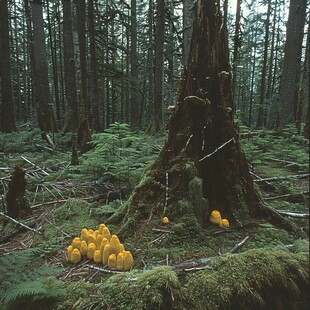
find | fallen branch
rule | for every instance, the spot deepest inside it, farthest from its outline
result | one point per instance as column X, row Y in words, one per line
column 19, row 223
column 34, row 165
column 283, row 161
column 285, row 196
column 216, row 150
column 200, row 263
column 294, row 214
column 296, row 176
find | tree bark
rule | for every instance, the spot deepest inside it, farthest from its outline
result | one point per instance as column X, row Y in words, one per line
column 8, row 123
column 292, row 63
column 40, row 72
column 72, row 113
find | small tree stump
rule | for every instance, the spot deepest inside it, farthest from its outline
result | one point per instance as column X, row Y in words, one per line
column 17, row 202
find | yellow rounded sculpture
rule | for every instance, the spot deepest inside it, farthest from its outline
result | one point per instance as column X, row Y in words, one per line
column 97, row 257
column 120, row 261
column 106, row 233
column 84, row 234
column 76, row 243
column 112, row 261
column 165, row 220
column 224, row 223
column 115, row 245
column 83, row 248
column 91, row 250
column 128, row 261
column 75, row 256
column 106, row 254
column 69, row 251
column 215, row 217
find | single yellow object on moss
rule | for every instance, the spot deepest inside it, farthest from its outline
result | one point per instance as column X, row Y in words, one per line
column 91, row 250
column 106, row 233
column 76, row 243
column 115, row 245
column 84, row 234
column 128, row 261
column 105, row 254
column 215, row 217
column 101, row 227
column 224, row 224
column 97, row 256
column 69, row 251
column 98, row 241
column 104, row 242
column 83, row 248
column 165, row 220
column 112, row 261
column 75, row 256
column 120, row 261
column 91, row 238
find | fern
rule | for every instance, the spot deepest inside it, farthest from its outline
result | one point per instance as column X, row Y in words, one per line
column 22, row 275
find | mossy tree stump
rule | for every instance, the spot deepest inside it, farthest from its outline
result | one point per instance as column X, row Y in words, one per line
column 201, row 166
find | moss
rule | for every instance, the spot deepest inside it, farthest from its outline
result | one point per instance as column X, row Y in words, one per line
column 255, row 279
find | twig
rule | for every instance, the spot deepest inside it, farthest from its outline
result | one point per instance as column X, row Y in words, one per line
column 104, row 269
column 161, row 230
column 285, row 196
column 297, row 176
column 19, row 223
column 239, row 245
column 196, row 268
column 188, row 141
column 216, row 150
column 48, row 203
column 34, row 165
column 283, row 161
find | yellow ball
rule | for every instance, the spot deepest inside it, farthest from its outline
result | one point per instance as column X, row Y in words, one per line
column 75, row 256
column 112, row 261
column 224, row 223
column 215, row 217
column 165, row 220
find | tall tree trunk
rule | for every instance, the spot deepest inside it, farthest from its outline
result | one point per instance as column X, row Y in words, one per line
column 134, row 104
column 159, row 65
column 236, row 46
column 81, row 21
column 292, row 63
column 188, row 20
column 93, row 68
column 261, row 119
column 54, row 66
column 8, row 123
column 72, row 116
column 41, row 81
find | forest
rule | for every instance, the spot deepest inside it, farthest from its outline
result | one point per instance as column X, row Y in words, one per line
column 154, row 154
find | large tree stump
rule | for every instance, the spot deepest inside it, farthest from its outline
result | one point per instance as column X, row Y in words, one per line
column 201, row 166
column 17, row 203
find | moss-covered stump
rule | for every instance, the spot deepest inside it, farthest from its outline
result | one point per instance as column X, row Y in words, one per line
column 256, row 279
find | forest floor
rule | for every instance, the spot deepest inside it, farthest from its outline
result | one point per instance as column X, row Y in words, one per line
column 66, row 198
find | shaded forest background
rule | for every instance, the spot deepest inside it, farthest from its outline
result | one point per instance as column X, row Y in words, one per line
column 63, row 62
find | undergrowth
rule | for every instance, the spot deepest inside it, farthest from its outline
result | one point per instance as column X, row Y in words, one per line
column 24, row 279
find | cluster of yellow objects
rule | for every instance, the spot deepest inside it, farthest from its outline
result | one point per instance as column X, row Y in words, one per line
column 216, row 218
column 100, row 247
